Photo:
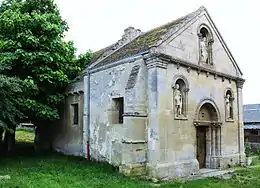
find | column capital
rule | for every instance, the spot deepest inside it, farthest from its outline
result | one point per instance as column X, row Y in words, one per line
column 152, row 60
column 240, row 82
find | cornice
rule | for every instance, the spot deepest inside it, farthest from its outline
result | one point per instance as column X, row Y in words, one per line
column 199, row 68
column 240, row 83
column 152, row 60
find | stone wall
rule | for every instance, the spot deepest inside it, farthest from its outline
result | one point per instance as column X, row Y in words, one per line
column 185, row 45
column 68, row 137
column 176, row 145
column 108, row 138
column 172, row 146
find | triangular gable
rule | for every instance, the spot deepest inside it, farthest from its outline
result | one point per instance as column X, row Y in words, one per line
column 170, row 36
column 223, row 43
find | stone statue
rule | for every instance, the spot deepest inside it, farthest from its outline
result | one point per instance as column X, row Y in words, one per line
column 228, row 105
column 178, row 100
column 204, row 50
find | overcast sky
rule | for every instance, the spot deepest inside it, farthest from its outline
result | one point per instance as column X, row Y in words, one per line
column 95, row 24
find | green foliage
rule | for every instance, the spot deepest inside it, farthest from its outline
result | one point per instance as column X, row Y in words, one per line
column 10, row 88
column 32, row 49
column 248, row 149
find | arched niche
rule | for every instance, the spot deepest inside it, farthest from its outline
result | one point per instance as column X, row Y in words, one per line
column 205, row 44
column 229, row 104
column 180, row 88
column 208, row 123
column 207, row 111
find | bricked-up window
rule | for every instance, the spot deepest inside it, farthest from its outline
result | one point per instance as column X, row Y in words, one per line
column 119, row 110
column 75, row 113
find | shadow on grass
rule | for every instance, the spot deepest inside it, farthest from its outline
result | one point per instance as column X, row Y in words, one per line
column 24, row 153
column 50, row 169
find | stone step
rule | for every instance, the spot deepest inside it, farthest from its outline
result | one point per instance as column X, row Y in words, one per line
column 204, row 173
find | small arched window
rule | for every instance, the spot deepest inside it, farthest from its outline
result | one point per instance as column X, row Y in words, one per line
column 205, row 45
column 180, row 98
column 229, row 110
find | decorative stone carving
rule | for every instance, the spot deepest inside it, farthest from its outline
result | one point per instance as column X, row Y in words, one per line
column 229, row 105
column 205, row 44
column 227, row 102
column 240, row 83
column 204, row 50
column 178, row 98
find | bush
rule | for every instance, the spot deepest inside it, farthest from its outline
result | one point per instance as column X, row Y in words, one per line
column 248, row 149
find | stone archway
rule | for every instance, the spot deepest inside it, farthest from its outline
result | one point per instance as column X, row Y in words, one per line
column 208, row 131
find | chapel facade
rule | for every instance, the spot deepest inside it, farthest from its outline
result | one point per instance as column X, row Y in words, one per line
column 165, row 103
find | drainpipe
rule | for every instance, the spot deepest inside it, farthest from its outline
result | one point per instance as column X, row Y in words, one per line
column 86, row 120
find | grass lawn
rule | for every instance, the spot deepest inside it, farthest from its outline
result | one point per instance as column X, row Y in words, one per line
column 31, row 170
column 24, row 135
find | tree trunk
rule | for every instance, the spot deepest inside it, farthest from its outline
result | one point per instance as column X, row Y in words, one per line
column 9, row 141
column 1, row 139
column 42, row 138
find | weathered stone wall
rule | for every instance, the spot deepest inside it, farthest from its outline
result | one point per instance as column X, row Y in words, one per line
column 67, row 137
column 185, row 45
column 201, row 87
column 106, row 137
column 173, row 151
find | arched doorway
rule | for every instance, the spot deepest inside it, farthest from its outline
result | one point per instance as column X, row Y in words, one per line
column 208, row 132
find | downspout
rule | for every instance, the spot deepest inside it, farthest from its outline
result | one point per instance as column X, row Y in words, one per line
column 88, row 117
column 86, row 124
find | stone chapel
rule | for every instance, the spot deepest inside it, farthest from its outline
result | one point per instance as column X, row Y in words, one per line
column 164, row 103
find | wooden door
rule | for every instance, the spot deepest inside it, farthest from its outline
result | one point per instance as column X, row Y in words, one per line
column 201, row 146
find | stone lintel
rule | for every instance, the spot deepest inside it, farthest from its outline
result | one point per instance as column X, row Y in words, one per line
column 74, row 93
column 198, row 123
column 134, row 114
column 199, row 68
column 134, row 141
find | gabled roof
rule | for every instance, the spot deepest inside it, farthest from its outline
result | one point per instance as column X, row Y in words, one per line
column 251, row 113
column 143, row 42
column 255, row 126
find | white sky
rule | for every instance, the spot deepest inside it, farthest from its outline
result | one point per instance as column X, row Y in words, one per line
column 95, row 24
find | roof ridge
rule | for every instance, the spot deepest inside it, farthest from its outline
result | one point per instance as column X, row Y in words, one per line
column 185, row 20
column 129, row 35
column 202, row 8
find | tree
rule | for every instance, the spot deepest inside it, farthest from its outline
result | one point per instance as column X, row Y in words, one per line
column 10, row 89
column 32, row 44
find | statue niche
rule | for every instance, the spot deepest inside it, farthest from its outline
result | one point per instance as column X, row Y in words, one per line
column 205, row 42
column 179, row 99
column 229, row 105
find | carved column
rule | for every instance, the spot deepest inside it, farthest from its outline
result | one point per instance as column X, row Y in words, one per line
column 208, row 147
column 155, row 89
column 213, row 131
column 219, row 141
column 241, row 148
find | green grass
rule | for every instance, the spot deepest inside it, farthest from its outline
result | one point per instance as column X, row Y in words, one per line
column 24, row 135
column 28, row 169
